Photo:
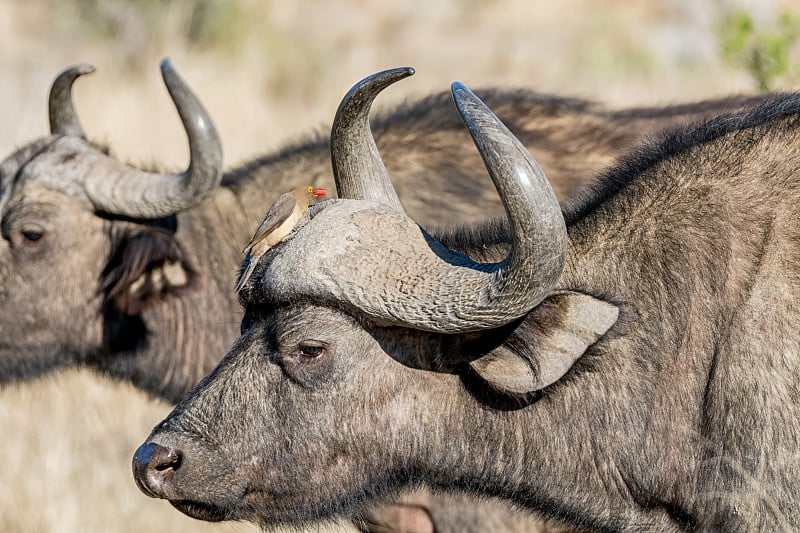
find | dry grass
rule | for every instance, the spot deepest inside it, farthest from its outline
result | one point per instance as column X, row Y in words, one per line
column 270, row 72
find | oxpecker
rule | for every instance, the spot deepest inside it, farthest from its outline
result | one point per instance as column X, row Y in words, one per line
column 279, row 222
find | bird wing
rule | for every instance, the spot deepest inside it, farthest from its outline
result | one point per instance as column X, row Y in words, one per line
column 277, row 214
column 246, row 271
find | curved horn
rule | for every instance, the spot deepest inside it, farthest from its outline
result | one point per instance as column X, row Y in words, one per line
column 135, row 193
column 357, row 166
column 468, row 296
column 381, row 263
column 538, row 231
column 61, row 109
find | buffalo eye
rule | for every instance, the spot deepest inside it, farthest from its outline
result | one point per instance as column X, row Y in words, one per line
column 32, row 233
column 29, row 237
column 310, row 350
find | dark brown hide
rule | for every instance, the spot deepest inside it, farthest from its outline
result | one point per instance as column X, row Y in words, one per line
column 153, row 304
column 685, row 416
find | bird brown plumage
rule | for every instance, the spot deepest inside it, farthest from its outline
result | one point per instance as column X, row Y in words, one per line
column 280, row 220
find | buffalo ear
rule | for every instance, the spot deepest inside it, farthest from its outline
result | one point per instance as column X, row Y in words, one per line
column 561, row 328
column 398, row 516
column 148, row 266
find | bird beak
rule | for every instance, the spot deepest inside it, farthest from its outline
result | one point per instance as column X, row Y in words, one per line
column 319, row 191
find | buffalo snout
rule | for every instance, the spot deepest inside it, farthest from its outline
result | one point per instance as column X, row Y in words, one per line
column 152, row 465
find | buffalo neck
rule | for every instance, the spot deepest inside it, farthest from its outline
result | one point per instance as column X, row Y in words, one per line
column 552, row 458
column 623, row 440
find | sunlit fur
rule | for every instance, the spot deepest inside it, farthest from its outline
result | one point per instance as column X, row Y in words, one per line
column 96, row 290
column 163, row 338
column 684, row 416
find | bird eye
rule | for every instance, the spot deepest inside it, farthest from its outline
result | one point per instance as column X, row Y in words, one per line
column 310, row 351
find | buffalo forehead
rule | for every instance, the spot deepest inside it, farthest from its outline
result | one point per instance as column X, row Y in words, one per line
column 343, row 243
column 10, row 166
column 59, row 163
column 371, row 257
column 65, row 167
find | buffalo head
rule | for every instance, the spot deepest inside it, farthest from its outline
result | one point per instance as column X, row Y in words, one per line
column 361, row 329
column 87, row 241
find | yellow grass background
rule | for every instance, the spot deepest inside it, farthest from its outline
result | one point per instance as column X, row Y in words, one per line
column 269, row 72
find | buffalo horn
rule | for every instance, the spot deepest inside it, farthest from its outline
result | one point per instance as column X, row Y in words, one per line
column 357, row 166
column 63, row 119
column 466, row 296
column 135, row 193
column 445, row 291
column 538, row 231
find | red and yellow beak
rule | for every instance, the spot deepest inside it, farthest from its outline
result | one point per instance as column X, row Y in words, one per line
column 317, row 191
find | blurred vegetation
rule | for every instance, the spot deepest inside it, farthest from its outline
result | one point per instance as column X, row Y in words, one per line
column 205, row 23
column 137, row 30
column 133, row 26
column 216, row 23
column 764, row 52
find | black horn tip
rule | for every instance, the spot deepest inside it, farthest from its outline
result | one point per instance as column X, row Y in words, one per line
column 389, row 75
column 167, row 70
column 174, row 82
column 394, row 74
column 166, row 64
column 361, row 94
column 62, row 83
column 462, row 96
column 406, row 71
column 78, row 70
column 358, row 169
column 457, row 87
column 475, row 114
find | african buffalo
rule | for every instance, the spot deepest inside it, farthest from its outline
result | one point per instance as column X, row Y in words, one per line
column 130, row 272
column 130, row 287
column 630, row 364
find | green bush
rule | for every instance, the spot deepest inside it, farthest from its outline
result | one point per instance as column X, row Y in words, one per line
column 763, row 52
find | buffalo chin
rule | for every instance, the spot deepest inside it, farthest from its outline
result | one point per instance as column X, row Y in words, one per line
column 202, row 511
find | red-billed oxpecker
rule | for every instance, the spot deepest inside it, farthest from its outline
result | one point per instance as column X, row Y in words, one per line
column 278, row 223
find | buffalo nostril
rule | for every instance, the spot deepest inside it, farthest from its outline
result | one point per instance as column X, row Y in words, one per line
column 151, row 463
column 170, row 459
